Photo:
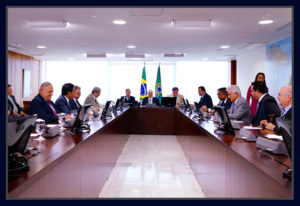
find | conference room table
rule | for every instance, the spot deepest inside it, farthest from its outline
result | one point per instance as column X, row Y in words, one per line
column 78, row 165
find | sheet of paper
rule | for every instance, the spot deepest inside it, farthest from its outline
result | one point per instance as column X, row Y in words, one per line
column 34, row 134
column 237, row 121
column 250, row 127
column 274, row 136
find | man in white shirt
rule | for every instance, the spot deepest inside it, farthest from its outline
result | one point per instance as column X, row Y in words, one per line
column 62, row 104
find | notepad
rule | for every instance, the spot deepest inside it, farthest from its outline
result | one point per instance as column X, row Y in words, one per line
column 250, row 127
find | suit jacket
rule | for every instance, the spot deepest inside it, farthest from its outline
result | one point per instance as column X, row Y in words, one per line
column 62, row 105
column 73, row 105
column 91, row 100
column 40, row 107
column 131, row 99
column 179, row 99
column 154, row 101
column 226, row 104
column 288, row 116
column 11, row 104
column 241, row 111
column 267, row 106
column 206, row 100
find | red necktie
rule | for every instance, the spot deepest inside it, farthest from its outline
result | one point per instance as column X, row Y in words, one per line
column 52, row 109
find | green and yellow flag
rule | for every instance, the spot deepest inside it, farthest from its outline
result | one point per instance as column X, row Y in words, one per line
column 143, row 93
column 158, row 90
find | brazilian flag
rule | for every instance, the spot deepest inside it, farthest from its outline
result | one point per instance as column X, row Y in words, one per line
column 158, row 90
column 143, row 93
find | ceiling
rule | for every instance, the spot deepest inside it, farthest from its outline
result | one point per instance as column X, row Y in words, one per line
column 149, row 29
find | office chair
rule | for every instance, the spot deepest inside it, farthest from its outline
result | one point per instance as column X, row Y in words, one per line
column 285, row 129
column 18, row 133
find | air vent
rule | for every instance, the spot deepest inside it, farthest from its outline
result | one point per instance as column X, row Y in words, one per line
column 96, row 55
column 173, row 54
column 191, row 23
column 144, row 60
column 14, row 46
column 48, row 24
column 252, row 45
column 132, row 55
column 285, row 27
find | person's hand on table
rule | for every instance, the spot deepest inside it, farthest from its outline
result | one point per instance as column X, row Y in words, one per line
column 204, row 108
column 23, row 113
column 69, row 116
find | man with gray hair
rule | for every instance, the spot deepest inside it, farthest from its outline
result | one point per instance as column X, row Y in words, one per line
column 42, row 104
column 285, row 100
column 92, row 98
column 150, row 100
column 239, row 109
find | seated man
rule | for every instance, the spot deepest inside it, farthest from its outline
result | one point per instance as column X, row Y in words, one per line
column 267, row 104
column 180, row 97
column 42, row 104
column 150, row 99
column 239, row 108
column 14, row 107
column 285, row 100
column 92, row 98
column 205, row 99
column 224, row 100
column 62, row 103
column 127, row 98
column 74, row 103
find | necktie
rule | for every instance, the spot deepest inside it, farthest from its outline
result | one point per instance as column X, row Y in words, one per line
column 233, row 106
column 78, row 105
column 52, row 109
column 282, row 113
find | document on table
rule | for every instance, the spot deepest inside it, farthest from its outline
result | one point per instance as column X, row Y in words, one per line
column 250, row 127
column 274, row 136
column 237, row 121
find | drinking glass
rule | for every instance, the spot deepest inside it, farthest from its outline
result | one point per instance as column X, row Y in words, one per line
column 61, row 121
column 40, row 127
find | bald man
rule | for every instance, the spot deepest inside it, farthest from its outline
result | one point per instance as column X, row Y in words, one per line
column 285, row 100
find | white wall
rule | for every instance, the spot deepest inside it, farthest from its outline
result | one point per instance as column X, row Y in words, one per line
column 248, row 65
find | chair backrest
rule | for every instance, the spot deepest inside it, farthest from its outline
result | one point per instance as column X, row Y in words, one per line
column 285, row 129
column 26, row 105
column 18, row 133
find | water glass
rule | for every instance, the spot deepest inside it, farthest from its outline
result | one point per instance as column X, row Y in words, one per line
column 40, row 127
column 61, row 120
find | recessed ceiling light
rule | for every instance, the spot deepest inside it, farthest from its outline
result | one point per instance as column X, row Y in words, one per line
column 131, row 46
column 270, row 21
column 41, row 47
column 224, row 47
column 94, row 17
column 119, row 21
column 204, row 59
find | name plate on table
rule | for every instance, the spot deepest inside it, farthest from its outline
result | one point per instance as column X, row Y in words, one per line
column 270, row 145
column 247, row 135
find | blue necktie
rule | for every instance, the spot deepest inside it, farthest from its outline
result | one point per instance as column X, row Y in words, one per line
column 233, row 106
column 282, row 113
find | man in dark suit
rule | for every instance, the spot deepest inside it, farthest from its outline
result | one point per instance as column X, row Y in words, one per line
column 128, row 98
column 62, row 103
column 285, row 100
column 267, row 104
column 205, row 99
column 223, row 97
column 13, row 106
column 74, row 103
column 42, row 104
column 150, row 100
